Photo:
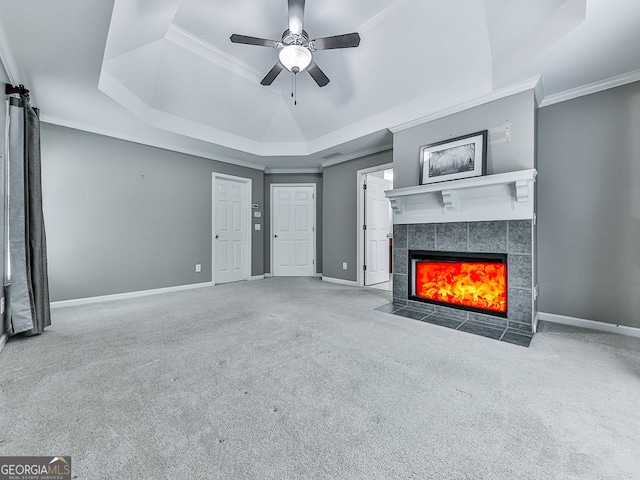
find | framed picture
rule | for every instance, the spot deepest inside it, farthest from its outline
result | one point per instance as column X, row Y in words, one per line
column 461, row 157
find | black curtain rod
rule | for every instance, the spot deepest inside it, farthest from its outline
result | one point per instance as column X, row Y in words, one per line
column 10, row 89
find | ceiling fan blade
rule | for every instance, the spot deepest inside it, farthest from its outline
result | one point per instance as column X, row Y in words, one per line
column 317, row 74
column 296, row 16
column 273, row 73
column 261, row 42
column 348, row 40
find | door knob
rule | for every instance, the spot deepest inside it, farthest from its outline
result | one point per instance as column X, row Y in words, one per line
column 276, row 236
column 217, row 236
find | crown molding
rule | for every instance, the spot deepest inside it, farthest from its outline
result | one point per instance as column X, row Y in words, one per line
column 594, row 87
column 180, row 125
column 7, row 58
column 151, row 143
column 276, row 171
column 380, row 16
column 538, row 92
column 213, row 54
column 530, row 84
column 359, row 154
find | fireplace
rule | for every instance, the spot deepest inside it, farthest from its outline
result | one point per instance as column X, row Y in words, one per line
column 466, row 281
column 461, row 231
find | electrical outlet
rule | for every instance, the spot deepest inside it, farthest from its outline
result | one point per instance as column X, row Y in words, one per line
column 344, row 265
column 198, row 268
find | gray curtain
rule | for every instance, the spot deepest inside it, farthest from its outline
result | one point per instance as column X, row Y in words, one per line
column 29, row 284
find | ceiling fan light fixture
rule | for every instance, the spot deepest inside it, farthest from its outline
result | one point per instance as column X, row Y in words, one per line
column 295, row 58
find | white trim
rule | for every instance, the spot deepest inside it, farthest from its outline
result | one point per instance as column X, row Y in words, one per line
column 6, row 57
column 318, row 275
column 203, row 154
column 530, row 84
column 161, row 119
column 502, row 196
column 204, row 49
column 377, row 168
column 591, row 324
column 380, row 16
column 272, row 217
column 248, row 222
column 538, row 92
column 293, row 170
column 267, row 275
column 590, row 88
column 359, row 154
column 3, row 340
column 340, row 281
column 123, row 296
column 536, row 321
column 360, row 253
column 257, row 277
column 151, row 143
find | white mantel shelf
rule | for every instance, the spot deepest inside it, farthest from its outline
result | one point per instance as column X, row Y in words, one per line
column 504, row 196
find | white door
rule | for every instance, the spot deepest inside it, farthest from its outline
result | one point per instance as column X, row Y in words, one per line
column 293, row 230
column 378, row 227
column 230, row 232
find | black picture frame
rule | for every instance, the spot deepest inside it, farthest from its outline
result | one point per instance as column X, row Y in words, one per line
column 454, row 159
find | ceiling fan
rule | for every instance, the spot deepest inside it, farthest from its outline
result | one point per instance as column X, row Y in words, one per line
column 296, row 50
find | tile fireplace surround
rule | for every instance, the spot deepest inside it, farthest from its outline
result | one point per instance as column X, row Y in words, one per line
column 490, row 214
column 512, row 237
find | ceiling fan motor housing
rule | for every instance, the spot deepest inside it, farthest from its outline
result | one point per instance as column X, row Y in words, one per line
column 289, row 38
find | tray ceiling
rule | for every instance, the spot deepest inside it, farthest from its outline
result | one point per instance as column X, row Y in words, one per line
column 164, row 71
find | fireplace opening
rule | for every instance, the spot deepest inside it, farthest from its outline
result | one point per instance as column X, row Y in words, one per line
column 468, row 281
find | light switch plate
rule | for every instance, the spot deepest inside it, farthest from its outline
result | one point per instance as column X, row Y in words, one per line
column 257, row 226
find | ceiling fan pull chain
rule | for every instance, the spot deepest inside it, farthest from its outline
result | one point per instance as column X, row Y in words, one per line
column 295, row 88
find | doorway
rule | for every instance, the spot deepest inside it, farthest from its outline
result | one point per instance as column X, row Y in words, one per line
column 375, row 227
column 231, row 225
column 293, row 227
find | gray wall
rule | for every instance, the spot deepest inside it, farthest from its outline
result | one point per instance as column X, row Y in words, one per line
column 291, row 178
column 340, row 215
column 4, row 321
column 124, row 217
column 589, row 207
column 501, row 157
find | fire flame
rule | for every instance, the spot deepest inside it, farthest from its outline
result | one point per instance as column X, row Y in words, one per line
column 478, row 284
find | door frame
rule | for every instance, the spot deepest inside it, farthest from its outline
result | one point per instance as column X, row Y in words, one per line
column 272, row 216
column 360, row 251
column 247, row 221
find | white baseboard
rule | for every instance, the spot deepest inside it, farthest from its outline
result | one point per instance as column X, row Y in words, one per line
column 340, row 281
column 121, row 296
column 593, row 325
column 536, row 320
column 268, row 275
column 3, row 340
column 257, row 277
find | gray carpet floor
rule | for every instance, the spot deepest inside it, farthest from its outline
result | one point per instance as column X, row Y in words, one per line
column 300, row 379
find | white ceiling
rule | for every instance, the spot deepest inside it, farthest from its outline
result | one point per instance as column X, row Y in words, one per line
column 163, row 72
